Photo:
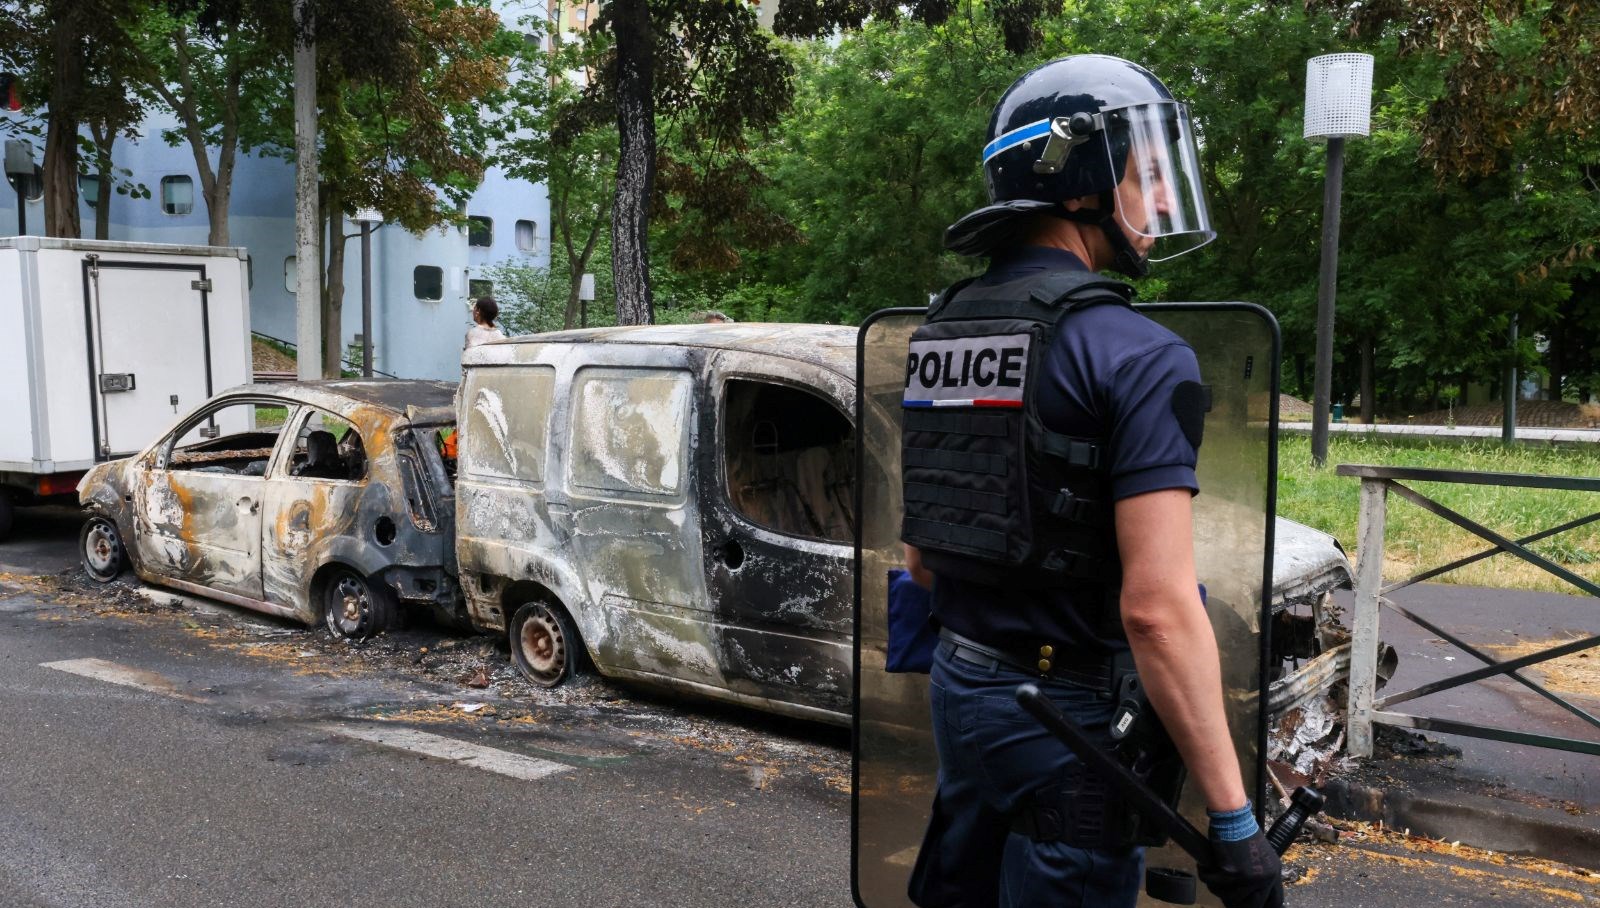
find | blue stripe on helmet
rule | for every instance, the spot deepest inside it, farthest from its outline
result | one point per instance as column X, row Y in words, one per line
column 1016, row 137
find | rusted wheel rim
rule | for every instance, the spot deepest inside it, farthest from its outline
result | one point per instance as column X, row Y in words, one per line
column 349, row 607
column 544, row 647
column 102, row 549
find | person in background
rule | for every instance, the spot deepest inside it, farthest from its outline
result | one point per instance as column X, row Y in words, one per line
column 484, row 330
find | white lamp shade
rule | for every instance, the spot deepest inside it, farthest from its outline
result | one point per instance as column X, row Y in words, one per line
column 1338, row 96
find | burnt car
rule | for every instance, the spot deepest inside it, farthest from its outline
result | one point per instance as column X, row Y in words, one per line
column 316, row 501
column 674, row 505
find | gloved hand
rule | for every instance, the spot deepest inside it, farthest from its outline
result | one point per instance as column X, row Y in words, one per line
column 1245, row 874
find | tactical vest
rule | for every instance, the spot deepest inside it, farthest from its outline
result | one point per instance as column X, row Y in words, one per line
column 990, row 494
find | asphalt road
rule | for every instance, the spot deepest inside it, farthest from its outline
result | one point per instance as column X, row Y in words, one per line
column 161, row 754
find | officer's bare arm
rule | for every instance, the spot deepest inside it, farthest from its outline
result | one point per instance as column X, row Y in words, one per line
column 920, row 575
column 1173, row 646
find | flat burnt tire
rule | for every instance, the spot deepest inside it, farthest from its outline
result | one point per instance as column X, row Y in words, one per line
column 544, row 644
column 100, row 549
column 353, row 608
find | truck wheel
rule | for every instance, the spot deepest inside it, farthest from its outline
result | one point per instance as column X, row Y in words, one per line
column 544, row 644
column 354, row 609
column 101, row 550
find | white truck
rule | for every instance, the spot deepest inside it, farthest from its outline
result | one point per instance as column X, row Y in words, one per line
column 102, row 346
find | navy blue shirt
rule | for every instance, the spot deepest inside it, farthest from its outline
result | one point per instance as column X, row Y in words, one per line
column 1110, row 373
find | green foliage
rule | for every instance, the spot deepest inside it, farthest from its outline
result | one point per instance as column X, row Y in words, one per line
column 533, row 299
column 1416, row 539
column 878, row 156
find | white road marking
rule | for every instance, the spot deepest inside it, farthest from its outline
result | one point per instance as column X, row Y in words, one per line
column 439, row 747
column 111, row 672
column 905, row 857
column 476, row 756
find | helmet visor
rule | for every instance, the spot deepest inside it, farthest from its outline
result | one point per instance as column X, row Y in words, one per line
column 1160, row 198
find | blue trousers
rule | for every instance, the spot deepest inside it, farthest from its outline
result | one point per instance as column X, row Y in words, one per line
column 992, row 756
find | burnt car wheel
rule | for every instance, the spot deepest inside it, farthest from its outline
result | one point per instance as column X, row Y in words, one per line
column 354, row 609
column 100, row 545
column 544, row 644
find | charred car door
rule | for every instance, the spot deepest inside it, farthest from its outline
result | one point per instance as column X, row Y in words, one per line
column 776, row 479
column 633, row 519
column 198, row 497
column 312, row 499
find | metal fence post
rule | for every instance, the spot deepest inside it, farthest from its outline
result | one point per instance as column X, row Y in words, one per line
column 1364, row 637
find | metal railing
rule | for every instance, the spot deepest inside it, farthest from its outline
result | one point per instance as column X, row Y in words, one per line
column 345, row 363
column 1365, row 708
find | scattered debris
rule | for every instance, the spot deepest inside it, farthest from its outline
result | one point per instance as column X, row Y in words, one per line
column 1405, row 743
column 1309, row 741
column 1577, row 673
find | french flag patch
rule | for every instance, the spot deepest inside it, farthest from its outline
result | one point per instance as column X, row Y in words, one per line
column 988, row 371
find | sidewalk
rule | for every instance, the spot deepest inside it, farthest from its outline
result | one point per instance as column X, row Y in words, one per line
column 1494, row 795
column 1448, row 433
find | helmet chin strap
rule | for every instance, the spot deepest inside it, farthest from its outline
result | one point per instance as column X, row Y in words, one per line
column 1125, row 259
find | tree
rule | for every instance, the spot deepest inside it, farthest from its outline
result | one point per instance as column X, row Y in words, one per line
column 878, row 156
column 708, row 72
column 221, row 68
column 406, row 92
column 1507, row 118
column 554, row 135
column 69, row 56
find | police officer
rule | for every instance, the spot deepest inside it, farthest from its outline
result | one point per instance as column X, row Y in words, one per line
column 1050, row 441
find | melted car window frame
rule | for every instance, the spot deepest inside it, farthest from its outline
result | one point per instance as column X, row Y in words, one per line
column 765, row 383
column 285, row 468
column 162, row 454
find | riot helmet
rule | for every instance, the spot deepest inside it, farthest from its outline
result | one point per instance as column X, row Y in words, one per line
column 1076, row 128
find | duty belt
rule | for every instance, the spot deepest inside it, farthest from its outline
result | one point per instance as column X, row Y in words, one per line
column 1075, row 667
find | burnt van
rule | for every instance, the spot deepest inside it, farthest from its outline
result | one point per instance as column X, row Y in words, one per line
column 673, row 505
column 669, row 504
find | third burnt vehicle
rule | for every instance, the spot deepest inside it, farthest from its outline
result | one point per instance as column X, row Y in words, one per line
column 674, row 505
column 317, row 501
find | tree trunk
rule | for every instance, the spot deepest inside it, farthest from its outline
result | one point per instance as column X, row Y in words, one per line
column 636, row 162
column 61, row 138
column 333, row 293
column 217, row 212
column 577, row 264
column 103, row 141
column 1558, row 353
column 1369, row 394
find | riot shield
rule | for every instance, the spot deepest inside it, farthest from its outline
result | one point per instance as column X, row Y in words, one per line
column 894, row 762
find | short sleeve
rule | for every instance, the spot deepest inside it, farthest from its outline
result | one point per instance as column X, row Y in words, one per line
column 1149, row 448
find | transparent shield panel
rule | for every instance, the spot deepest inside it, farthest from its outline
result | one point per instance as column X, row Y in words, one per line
column 1237, row 349
column 894, row 761
column 895, row 764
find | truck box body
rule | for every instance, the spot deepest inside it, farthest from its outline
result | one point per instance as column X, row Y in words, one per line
column 104, row 344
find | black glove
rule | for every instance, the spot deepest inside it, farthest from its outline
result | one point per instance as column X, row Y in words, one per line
column 1245, row 874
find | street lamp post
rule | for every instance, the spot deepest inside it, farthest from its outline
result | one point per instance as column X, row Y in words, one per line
column 367, row 218
column 19, row 169
column 1338, row 104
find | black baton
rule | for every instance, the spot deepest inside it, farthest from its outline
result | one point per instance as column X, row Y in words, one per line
column 1175, row 886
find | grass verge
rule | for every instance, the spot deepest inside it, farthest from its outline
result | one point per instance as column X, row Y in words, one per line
column 1416, row 539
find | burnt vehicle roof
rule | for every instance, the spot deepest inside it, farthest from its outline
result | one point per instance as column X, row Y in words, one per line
column 832, row 347
column 396, row 395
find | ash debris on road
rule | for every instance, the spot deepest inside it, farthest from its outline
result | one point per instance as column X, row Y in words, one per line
column 471, row 681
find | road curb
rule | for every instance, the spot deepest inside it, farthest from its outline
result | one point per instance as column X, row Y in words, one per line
column 1495, row 824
